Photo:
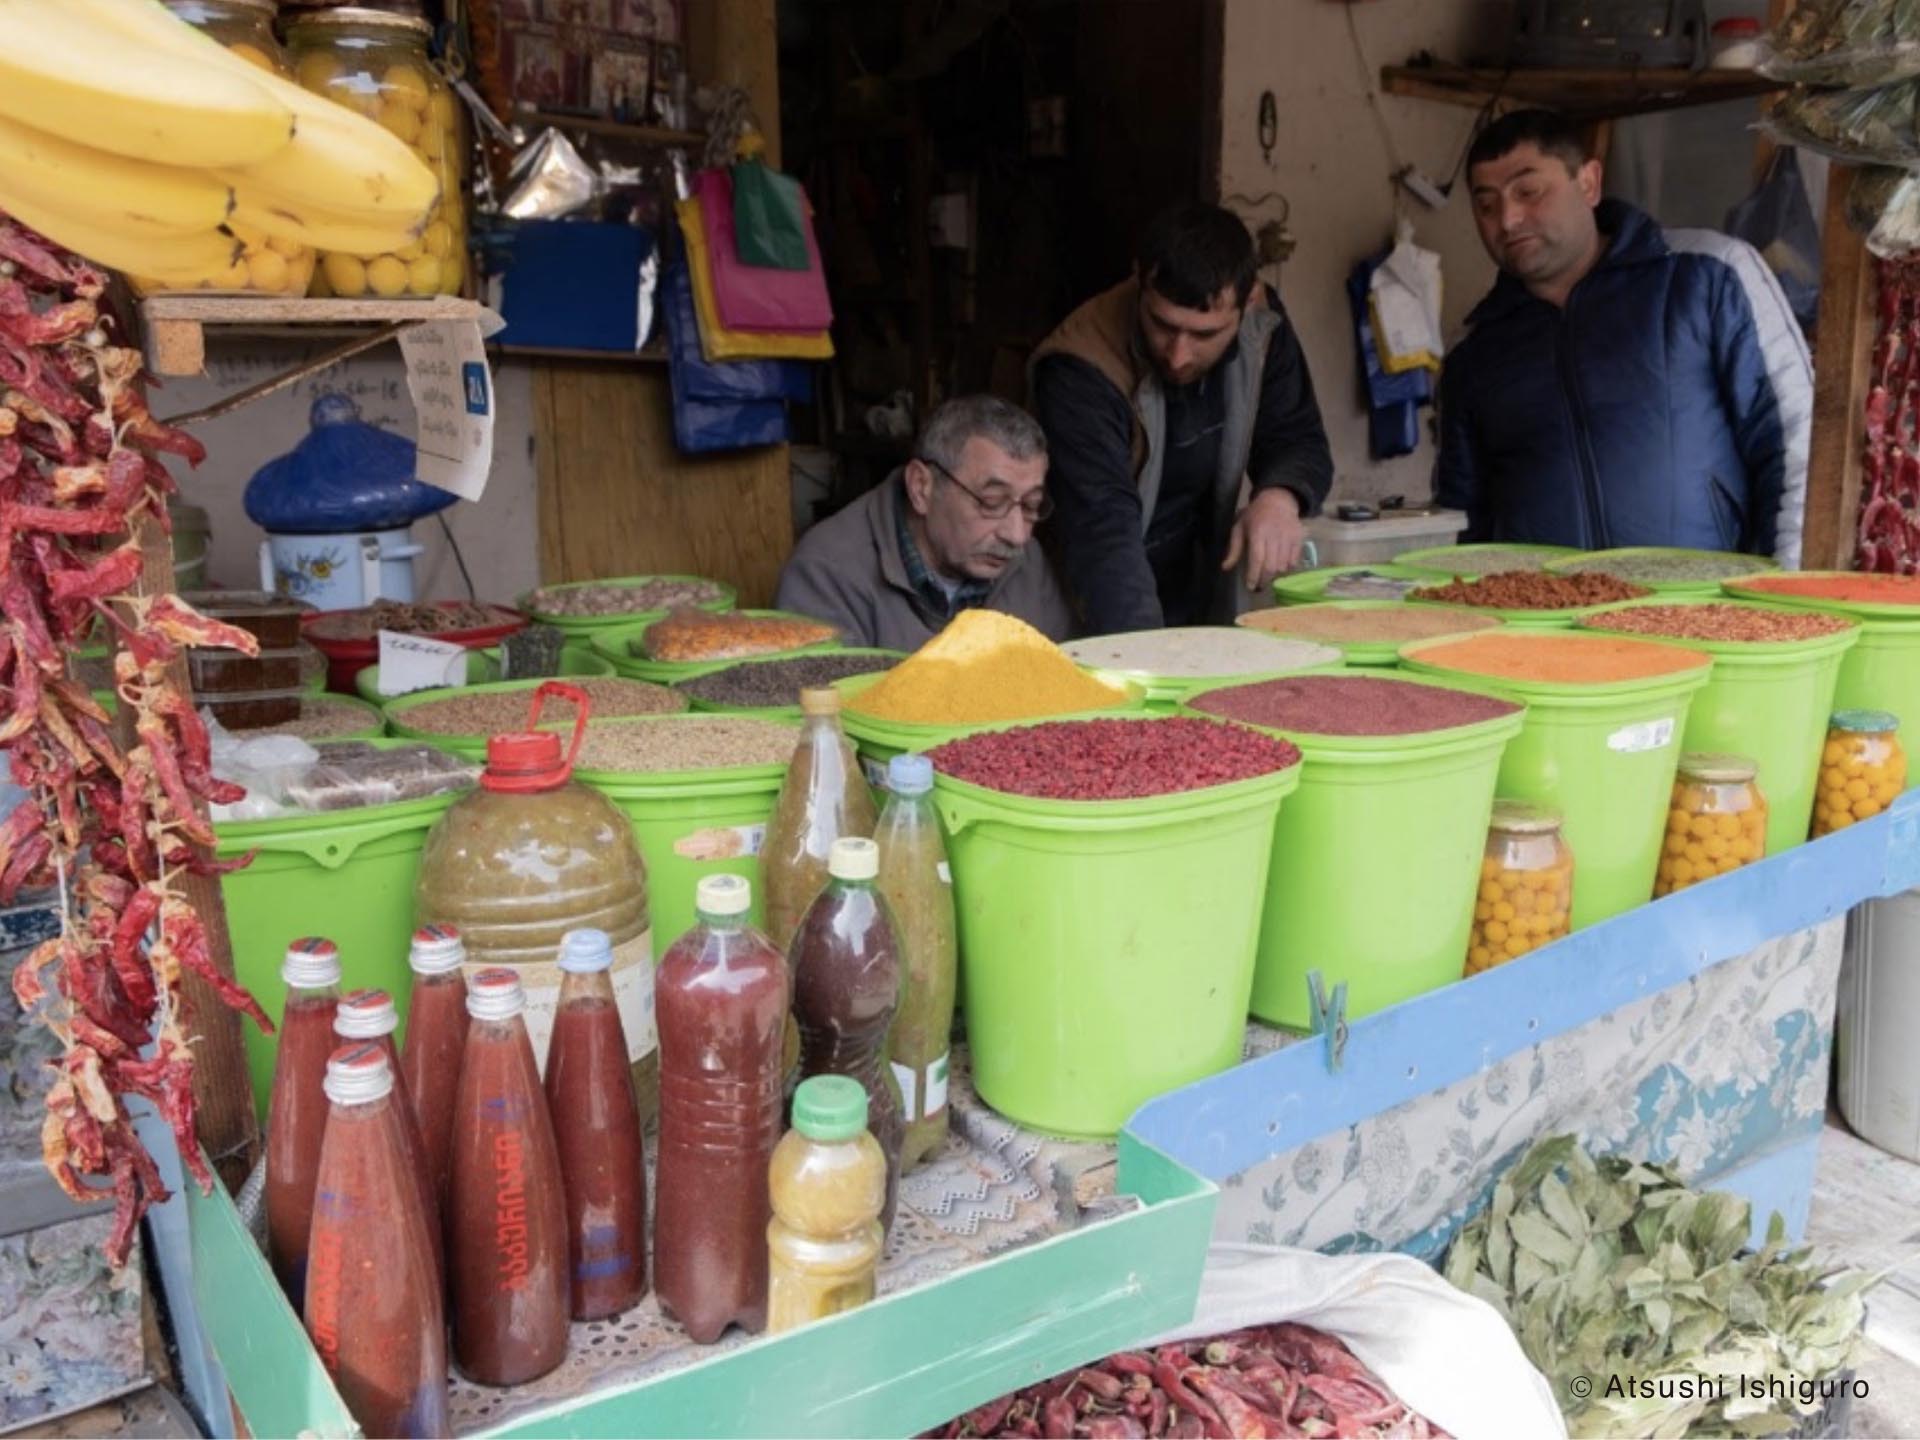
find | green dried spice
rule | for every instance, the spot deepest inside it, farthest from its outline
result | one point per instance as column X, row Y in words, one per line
column 1611, row 1268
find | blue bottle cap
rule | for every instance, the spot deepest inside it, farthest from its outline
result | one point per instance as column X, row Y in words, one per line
column 584, row 951
column 910, row 774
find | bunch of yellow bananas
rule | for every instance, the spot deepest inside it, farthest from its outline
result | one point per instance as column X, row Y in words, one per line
column 133, row 139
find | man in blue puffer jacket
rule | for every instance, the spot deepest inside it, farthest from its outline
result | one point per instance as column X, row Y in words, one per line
column 1620, row 385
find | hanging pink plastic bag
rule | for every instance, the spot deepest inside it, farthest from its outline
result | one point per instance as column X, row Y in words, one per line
column 749, row 297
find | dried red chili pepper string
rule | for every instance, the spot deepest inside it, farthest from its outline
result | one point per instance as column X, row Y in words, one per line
column 113, row 830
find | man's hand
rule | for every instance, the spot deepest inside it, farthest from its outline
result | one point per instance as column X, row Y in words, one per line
column 1269, row 534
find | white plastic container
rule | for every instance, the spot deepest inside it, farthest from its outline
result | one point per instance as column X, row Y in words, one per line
column 1877, row 1064
column 1370, row 542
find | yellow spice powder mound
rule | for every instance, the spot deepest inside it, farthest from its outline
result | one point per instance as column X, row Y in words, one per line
column 984, row 666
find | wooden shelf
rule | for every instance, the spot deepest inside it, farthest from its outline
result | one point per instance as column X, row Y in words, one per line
column 651, row 355
column 175, row 325
column 1589, row 94
column 613, row 129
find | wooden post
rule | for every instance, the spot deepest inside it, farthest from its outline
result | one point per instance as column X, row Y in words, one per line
column 1840, row 378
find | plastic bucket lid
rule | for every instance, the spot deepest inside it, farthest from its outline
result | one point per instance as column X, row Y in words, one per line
column 614, row 646
column 1473, row 561
column 1595, row 561
column 690, row 824
column 1602, row 754
column 587, row 625
column 483, row 668
column 1107, row 947
column 1363, row 652
column 1307, row 587
column 1375, row 860
column 1769, row 701
column 347, row 874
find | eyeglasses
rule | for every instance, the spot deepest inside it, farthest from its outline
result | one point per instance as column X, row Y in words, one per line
column 1034, row 507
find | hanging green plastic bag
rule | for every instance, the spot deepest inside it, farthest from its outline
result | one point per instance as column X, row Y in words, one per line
column 769, row 218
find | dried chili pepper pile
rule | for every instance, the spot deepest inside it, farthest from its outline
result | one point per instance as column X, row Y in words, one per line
column 1273, row 1380
column 1889, row 532
column 79, row 463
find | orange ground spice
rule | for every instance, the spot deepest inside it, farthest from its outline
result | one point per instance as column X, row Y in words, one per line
column 1561, row 659
column 1869, row 589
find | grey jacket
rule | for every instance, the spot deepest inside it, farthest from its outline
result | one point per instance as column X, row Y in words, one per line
column 848, row 570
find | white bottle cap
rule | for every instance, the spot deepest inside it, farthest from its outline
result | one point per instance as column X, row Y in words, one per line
column 358, row 1074
column 853, row 858
column 723, row 895
column 365, row 1015
column 436, row 950
column 584, row 951
column 311, row 963
column 495, row 995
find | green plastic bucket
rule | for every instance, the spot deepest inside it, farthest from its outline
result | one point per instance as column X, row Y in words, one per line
column 1374, row 653
column 474, row 747
column 878, row 741
column 1165, row 693
column 1604, row 755
column 1107, row 947
column 1770, row 703
column 345, row 874
column 483, row 668
column 585, row 627
column 777, row 712
column 1309, row 587
column 1472, row 561
column 1376, row 862
column 1596, row 561
column 614, row 647
column 690, row 824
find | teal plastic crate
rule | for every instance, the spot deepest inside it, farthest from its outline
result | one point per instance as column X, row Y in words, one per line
column 898, row 1366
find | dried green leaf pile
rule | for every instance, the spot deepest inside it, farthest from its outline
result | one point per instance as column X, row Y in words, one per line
column 1612, row 1268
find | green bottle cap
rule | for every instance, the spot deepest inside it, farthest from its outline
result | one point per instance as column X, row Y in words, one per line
column 830, row 1107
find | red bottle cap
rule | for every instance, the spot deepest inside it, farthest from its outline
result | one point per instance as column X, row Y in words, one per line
column 358, row 1074
column 529, row 761
column 436, row 950
column 311, row 963
column 365, row 1015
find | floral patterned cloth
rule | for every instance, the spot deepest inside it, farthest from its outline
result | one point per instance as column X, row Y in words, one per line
column 1703, row 1075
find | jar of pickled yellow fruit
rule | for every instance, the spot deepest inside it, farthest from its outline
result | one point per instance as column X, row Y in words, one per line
column 378, row 64
column 1716, row 823
column 1862, row 769
column 1526, row 886
column 262, row 264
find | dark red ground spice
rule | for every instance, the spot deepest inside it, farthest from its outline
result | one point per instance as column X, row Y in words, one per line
column 1112, row 759
column 1350, row 705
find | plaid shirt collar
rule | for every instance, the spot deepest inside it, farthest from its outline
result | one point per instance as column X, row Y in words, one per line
column 965, row 596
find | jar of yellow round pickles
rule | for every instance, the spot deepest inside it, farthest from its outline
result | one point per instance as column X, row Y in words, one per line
column 1526, row 886
column 263, row 265
column 1716, row 823
column 1862, row 769
column 378, row 65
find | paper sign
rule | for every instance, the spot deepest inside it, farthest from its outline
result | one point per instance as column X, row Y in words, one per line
column 413, row 662
column 452, row 391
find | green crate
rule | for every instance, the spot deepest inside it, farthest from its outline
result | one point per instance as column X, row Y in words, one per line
column 898, row 1366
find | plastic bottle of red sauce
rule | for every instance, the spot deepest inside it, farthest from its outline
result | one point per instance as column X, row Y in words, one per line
column 297, row 1112
column 846, row 986
column 373, row 1305
column 506, row 1209
column 722, row 1008
column 596, row 1125
column 369, row 1015
column 436, row 1034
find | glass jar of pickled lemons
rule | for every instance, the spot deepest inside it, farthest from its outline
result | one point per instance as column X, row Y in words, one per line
column 1862, row 769
column 1716, row 823
column 377, row 64
column 262, row 265
column 1526, row 886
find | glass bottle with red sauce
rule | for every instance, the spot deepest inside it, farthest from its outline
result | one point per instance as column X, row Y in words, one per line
column 436, row 1035
column 596, row 1126
column 506, row 1208
column 373, row 1304
column 846, row 986
column 721, row 1004
column 297, row 1111
column 369, row 1015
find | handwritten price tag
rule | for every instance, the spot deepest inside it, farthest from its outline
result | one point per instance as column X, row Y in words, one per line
column 452, row 391
column 413, row 662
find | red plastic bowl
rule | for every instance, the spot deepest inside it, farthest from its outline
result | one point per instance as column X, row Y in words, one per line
column 347, row 658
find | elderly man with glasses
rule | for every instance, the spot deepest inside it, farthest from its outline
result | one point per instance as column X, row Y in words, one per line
column 950, row 530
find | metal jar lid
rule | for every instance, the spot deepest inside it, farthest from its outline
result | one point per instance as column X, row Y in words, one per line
column 351, row 16
column 1718, row 769
column 1517, row 817
column 1866, row 722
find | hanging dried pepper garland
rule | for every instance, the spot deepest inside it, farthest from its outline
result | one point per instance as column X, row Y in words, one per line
column 78, row 466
